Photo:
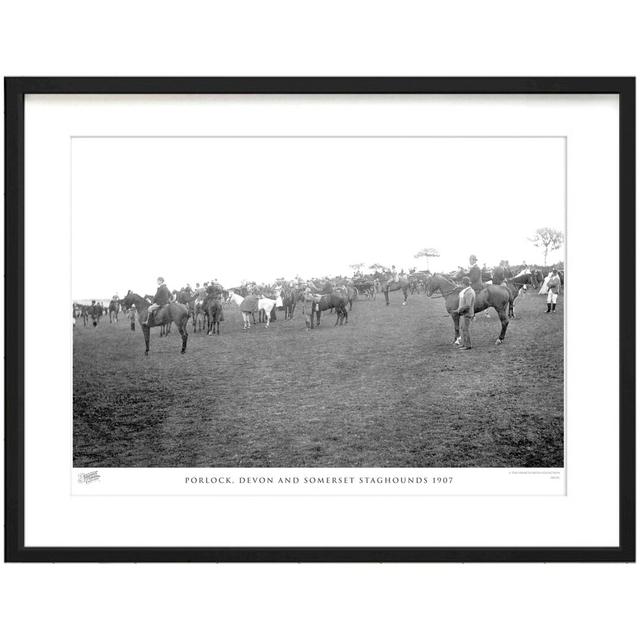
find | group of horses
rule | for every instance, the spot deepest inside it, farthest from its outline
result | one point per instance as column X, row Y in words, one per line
column 205, row 306
column 88, row 313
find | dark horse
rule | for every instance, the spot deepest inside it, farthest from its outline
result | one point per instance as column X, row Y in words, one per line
column 172, row 312
column 516, row 286
column 495, row 296
column 290, row 298
column 331, row 301
column 114, row 309
column 213, row 313
column 391, row 285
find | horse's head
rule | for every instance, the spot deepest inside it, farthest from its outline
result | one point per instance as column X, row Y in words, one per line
column 128, row 300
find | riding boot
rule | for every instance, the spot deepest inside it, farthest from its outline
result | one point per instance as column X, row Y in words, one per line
column 548, row 308
column 553, row 307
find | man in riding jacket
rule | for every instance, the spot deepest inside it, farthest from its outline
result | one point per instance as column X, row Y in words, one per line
column 475, row 274
column 553, row 284
column 466, row 304
column 499, row 275
column 162, row 297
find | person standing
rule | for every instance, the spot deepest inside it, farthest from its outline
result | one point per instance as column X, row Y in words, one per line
column 466, row 304
column 309, row 306
column 132, row 317
column 553, row 284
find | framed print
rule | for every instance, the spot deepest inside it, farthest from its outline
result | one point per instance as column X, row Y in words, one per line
column 320, row 319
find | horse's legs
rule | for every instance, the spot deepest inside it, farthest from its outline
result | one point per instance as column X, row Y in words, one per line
column 404, row 293
column 145, row 333
column 456, row 328
column 504, row 321
column 386, row 296
column 182, row 328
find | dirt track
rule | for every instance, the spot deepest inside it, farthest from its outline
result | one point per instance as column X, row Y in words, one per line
column 387, row 390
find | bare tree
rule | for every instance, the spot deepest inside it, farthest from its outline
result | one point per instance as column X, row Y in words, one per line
column 548, row 239
column 356, row 267
column 427, row 253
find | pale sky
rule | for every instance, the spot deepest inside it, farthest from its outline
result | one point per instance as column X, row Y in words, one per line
column 194, row 209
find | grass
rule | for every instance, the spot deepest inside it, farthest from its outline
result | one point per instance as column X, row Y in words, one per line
column 386, row 390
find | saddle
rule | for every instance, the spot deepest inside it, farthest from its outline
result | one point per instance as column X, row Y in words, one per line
column 154, row 313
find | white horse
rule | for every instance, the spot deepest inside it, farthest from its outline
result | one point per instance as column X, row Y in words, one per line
column 267, row 305
column 264, row 304
column 246, row 315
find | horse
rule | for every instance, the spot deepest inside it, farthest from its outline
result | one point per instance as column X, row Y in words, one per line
column 290, row 298
column 392, row 285
column 268, row 306
column 114, row 309
column 331, row 301
column 349, row 292
column 516, row 286
column 95, row 311
column 172, row 312
column 495, row 296
column 213, row 313
column 232, row 296
column 83, row 312
column 367, row 289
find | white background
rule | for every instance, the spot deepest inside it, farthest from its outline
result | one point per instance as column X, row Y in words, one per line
column 399, row 38
column 586, row 516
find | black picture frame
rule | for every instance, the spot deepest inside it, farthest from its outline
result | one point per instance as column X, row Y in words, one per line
column 15, row 91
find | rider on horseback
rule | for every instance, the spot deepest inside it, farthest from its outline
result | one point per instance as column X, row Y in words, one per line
column 475, row 274
column 393, row 273
column 162, row 297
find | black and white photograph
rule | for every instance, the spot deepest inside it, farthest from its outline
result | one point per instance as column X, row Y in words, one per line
column 303, row 319
column 318, row 301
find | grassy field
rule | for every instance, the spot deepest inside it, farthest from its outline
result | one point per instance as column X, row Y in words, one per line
column 386, row 390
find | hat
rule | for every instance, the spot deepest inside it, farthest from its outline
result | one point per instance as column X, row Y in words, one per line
column 160, row 279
